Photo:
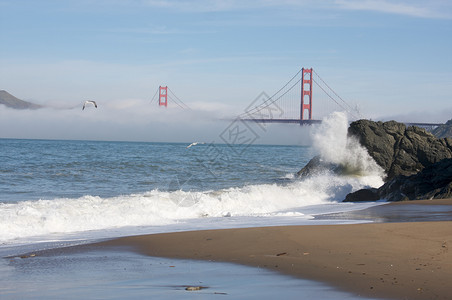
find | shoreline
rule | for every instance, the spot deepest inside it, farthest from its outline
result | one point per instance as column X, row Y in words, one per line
column 399, row 260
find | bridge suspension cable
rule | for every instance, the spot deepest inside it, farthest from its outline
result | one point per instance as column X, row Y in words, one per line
column 326, row 93
column 182, row 104
column 153, row 98
column 272, row 99
column 349, row 109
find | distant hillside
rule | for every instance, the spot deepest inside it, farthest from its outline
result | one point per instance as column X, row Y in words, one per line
column 10, row 101
column 444, row 130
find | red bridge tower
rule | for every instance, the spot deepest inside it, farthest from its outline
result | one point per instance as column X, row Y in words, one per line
column 306, row 92
column 163, row 96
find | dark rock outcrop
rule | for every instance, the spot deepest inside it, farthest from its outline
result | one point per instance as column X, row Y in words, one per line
column 363, row 195
column 444, row 130
column 316, row 165
column 433, row 182
column 418, row 164
column 400, row 150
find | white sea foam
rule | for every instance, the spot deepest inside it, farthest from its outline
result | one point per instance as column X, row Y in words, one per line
column 334, row 146
column 43, row 217
column 297, row 199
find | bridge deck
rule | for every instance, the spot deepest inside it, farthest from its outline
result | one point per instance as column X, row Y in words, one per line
column 312, row 122
column 423, row 124
column 290, row 121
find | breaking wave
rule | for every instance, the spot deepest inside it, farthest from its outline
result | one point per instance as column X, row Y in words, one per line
column 24, row 219
column 335, row 146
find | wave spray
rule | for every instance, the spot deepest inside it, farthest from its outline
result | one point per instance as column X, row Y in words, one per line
column 334, row 146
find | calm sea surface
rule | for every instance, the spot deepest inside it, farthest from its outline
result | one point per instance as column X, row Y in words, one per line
column 49, row 169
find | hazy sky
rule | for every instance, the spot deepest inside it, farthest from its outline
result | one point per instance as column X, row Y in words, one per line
column 390, row 58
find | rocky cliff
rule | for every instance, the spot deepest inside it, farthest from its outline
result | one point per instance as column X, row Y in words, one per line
column 10, row 101
column 444, row 130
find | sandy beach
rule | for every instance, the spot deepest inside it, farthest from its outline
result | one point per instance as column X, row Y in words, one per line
column 399, row 260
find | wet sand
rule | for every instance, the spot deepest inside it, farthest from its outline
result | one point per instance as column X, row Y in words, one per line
column 398, row 259
column 410, row 211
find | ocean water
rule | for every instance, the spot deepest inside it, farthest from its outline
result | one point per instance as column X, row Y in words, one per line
column 54, row 190
column 56, row 193
column 49, row 189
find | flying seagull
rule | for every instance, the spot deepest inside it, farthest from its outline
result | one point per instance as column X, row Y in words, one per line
column 193, row 144
column 88, row 102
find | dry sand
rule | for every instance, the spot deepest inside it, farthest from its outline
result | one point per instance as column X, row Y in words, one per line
column 408, row 260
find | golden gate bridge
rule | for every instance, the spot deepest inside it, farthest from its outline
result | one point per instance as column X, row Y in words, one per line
column 293, row 103
column 164, row 96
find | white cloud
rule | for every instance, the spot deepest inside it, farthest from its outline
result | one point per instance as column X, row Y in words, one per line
column 425, row 9
column 198, row 6
column 223, row 5
column 160, row 30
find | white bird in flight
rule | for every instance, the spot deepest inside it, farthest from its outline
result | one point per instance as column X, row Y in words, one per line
column 89, row 102
column 193, row 144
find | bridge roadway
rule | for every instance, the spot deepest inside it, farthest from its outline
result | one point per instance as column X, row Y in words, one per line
column 312, row 122
column 290, row 121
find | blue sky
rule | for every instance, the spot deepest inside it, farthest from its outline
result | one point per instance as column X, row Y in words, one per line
column 392, row 59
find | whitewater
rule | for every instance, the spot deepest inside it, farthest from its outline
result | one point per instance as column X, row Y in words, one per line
column 55, row 191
